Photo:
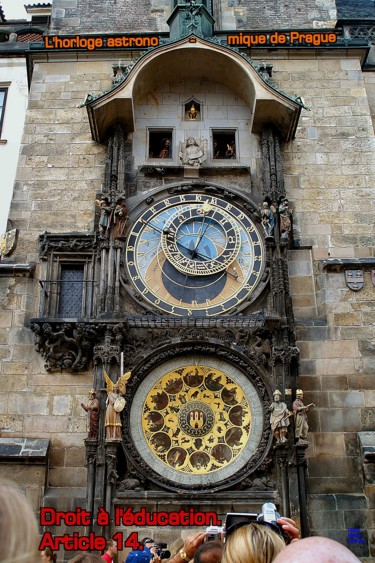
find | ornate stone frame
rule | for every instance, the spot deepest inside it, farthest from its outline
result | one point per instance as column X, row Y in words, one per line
column 234, row 357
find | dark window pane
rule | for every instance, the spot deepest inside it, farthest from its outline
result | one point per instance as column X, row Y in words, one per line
column 223, row 144
column 3, row 97
column 71, row 291
column 160, row 144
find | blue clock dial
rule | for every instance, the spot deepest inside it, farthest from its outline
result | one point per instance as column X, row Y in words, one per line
column 194, row 255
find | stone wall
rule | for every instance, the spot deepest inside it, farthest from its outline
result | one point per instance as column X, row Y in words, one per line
column 111, row 16
column 71, row 16
column 247, row 14
column 329, row 172
column 60, row 171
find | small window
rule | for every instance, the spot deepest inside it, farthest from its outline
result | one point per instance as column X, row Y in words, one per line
column 192, row 110
column 160, row 144
column 71, row 291
column 224, row 145
column 3, row 98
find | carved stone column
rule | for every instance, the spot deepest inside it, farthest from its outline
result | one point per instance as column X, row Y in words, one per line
column 282, row 463
column 111, row 460
column 91, row 455
column 300, row 453
column 273, row 176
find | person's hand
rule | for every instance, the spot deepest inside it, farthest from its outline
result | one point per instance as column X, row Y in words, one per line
column 289, row 526
column 192, row 543
column 155, row 557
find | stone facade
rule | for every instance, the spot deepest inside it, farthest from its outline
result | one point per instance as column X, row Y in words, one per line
column 329, row 175
column 235, row 14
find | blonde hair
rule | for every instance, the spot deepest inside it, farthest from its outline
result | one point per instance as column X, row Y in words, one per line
column 253, row 543
column 19, row 536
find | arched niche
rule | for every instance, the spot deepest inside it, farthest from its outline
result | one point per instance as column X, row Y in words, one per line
column 198, row 59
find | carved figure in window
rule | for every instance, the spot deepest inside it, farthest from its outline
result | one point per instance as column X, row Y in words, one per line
column 231, row 150
column 193, row 153
column 192, row 110
column 160, row 144
column 165, row 146
column 216, row 150
column 224, row 144
column 193, row 113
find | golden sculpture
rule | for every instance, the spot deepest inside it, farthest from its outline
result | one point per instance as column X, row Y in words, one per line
column 115, row 404
column 192, row 113
column 196, row 419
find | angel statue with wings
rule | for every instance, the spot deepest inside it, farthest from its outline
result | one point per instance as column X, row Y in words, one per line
column 193, row 152
column 115, row 404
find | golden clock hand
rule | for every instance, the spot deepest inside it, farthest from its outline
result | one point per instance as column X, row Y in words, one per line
column 206, row 208
column 200, row 235
column 199, row 240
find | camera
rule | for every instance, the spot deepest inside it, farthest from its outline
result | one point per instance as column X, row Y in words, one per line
column 268, row 513
column 213, row 533
column 235, row 520
column 161, row 551
column 268, row 517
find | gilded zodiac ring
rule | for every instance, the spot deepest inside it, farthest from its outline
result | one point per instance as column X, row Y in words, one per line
column 196, row 419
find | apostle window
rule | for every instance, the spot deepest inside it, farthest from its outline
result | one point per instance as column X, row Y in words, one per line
column 160, row 144
column 192, row 110
column 224, row 144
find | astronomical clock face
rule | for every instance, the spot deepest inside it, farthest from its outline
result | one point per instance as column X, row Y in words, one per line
column 194, row 255
column 198, row 422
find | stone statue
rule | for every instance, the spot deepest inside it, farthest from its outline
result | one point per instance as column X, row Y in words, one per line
column 165, row 148
column 230, row 150
column 92, row 407
column 285, row 219
column 300, row 417
column 268, row 219
column 105, row 217
column 120, row 218
column 115, row 404
column 193, row 153
column 279, row 418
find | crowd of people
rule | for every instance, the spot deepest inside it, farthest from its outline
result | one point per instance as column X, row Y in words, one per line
column 255, row 542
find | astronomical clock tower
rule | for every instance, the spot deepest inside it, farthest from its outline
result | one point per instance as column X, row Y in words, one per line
column 183, row 282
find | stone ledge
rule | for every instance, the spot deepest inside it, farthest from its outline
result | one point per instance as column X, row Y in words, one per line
column 367, row 444
column 338, row 264
column 26, row 450
column 17, row 270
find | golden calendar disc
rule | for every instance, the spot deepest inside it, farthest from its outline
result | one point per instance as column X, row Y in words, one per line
column 196, row 419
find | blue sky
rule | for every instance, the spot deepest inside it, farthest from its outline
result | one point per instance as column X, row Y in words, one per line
column 14, row 9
